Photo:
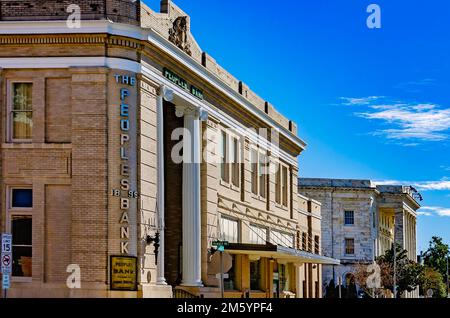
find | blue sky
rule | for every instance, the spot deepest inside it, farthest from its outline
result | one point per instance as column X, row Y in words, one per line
column 370, row 103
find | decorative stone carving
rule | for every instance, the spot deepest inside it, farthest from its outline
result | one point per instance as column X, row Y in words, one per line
column 178, row 34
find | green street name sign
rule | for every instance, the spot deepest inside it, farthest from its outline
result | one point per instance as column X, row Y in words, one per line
column 220, row 243
column 176, row 79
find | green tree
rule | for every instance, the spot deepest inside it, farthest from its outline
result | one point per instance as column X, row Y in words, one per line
column 408, row 273
column 432, row 279
column 435, row 256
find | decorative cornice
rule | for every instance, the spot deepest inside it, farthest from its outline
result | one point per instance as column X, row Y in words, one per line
column 70, row 40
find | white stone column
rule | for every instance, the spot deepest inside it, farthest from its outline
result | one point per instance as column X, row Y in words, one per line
column 191, row 269
column 160, row 279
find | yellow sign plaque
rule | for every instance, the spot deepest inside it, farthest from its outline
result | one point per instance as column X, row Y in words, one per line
column 123, row 273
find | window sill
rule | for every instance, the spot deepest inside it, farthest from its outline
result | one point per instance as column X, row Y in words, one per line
column 259, row 198
column 229, row 186
column 280, row 206
column 16, row 279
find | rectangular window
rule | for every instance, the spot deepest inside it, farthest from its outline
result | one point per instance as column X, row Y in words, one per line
column 349, row 246
column 255, row 275
column 349, row 218
column 316, row 244
column 284, row 186
column 20, row 218
column 21, row 198
column 283, row 277
column 224, row 170
column 235, row 162
column 254, row 170
column 21, row 117
column 282, row 239
column 278, row 185
column 229, row 230
column 262, row 175
column 258, row 235
column 304, row 241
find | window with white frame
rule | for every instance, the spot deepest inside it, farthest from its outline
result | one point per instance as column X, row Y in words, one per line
column 258, row 235
column 263, row 169
column 229, row 159
column 349, row 218
column 284, row 185
column 20, row 224
column 235, row 162
column 254, row 170
column 224, row 170
column 229, row 229
column 278, row 184
column 21, row 111
column 283, row 239
column 281, row 185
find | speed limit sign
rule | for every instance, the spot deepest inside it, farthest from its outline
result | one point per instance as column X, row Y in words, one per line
column 6, row 256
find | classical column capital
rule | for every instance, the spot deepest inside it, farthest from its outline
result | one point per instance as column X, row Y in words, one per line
column 191, row 111
column 166, row 93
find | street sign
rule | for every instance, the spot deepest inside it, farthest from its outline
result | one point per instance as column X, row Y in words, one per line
column 6, row 243
column 220, row 243
column 6, row 256
column 6, row 283
column 6, row 260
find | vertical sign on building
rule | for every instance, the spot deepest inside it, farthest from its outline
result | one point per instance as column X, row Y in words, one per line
column 6, row 260
column 123, row 165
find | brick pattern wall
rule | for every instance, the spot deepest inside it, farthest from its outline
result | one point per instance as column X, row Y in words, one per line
column 89, row 173
column 124, row 11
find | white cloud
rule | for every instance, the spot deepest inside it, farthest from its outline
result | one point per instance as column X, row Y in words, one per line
column 435, row 210
column 432, row 185
column 424, row 213
column 425, row 122
column 350, row 101
column 412, row 122
column 440, row 185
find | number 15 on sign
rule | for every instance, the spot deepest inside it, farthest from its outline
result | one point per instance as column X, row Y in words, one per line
column 6, row 243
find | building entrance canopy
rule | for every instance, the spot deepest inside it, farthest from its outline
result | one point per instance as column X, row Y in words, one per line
column 280, row 253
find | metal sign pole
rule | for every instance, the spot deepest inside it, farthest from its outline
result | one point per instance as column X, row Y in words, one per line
column 222, row 288
column 395, row 269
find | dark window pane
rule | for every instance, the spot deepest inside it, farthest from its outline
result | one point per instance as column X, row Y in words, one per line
column 21, row 261
column 22, row 198
column 255, row 275
column 21, row 231
column 349, row 218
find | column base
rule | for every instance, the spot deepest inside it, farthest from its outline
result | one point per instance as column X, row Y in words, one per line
column 191, row 284
column 161, row 281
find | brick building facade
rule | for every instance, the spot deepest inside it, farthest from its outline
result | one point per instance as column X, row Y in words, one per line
column 90, row 128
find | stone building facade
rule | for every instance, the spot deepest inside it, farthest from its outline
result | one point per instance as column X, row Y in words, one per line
column 128, row 153
column 361, row 220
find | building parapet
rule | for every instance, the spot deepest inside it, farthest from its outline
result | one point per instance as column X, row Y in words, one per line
column 336, row 183
column 121, row 11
